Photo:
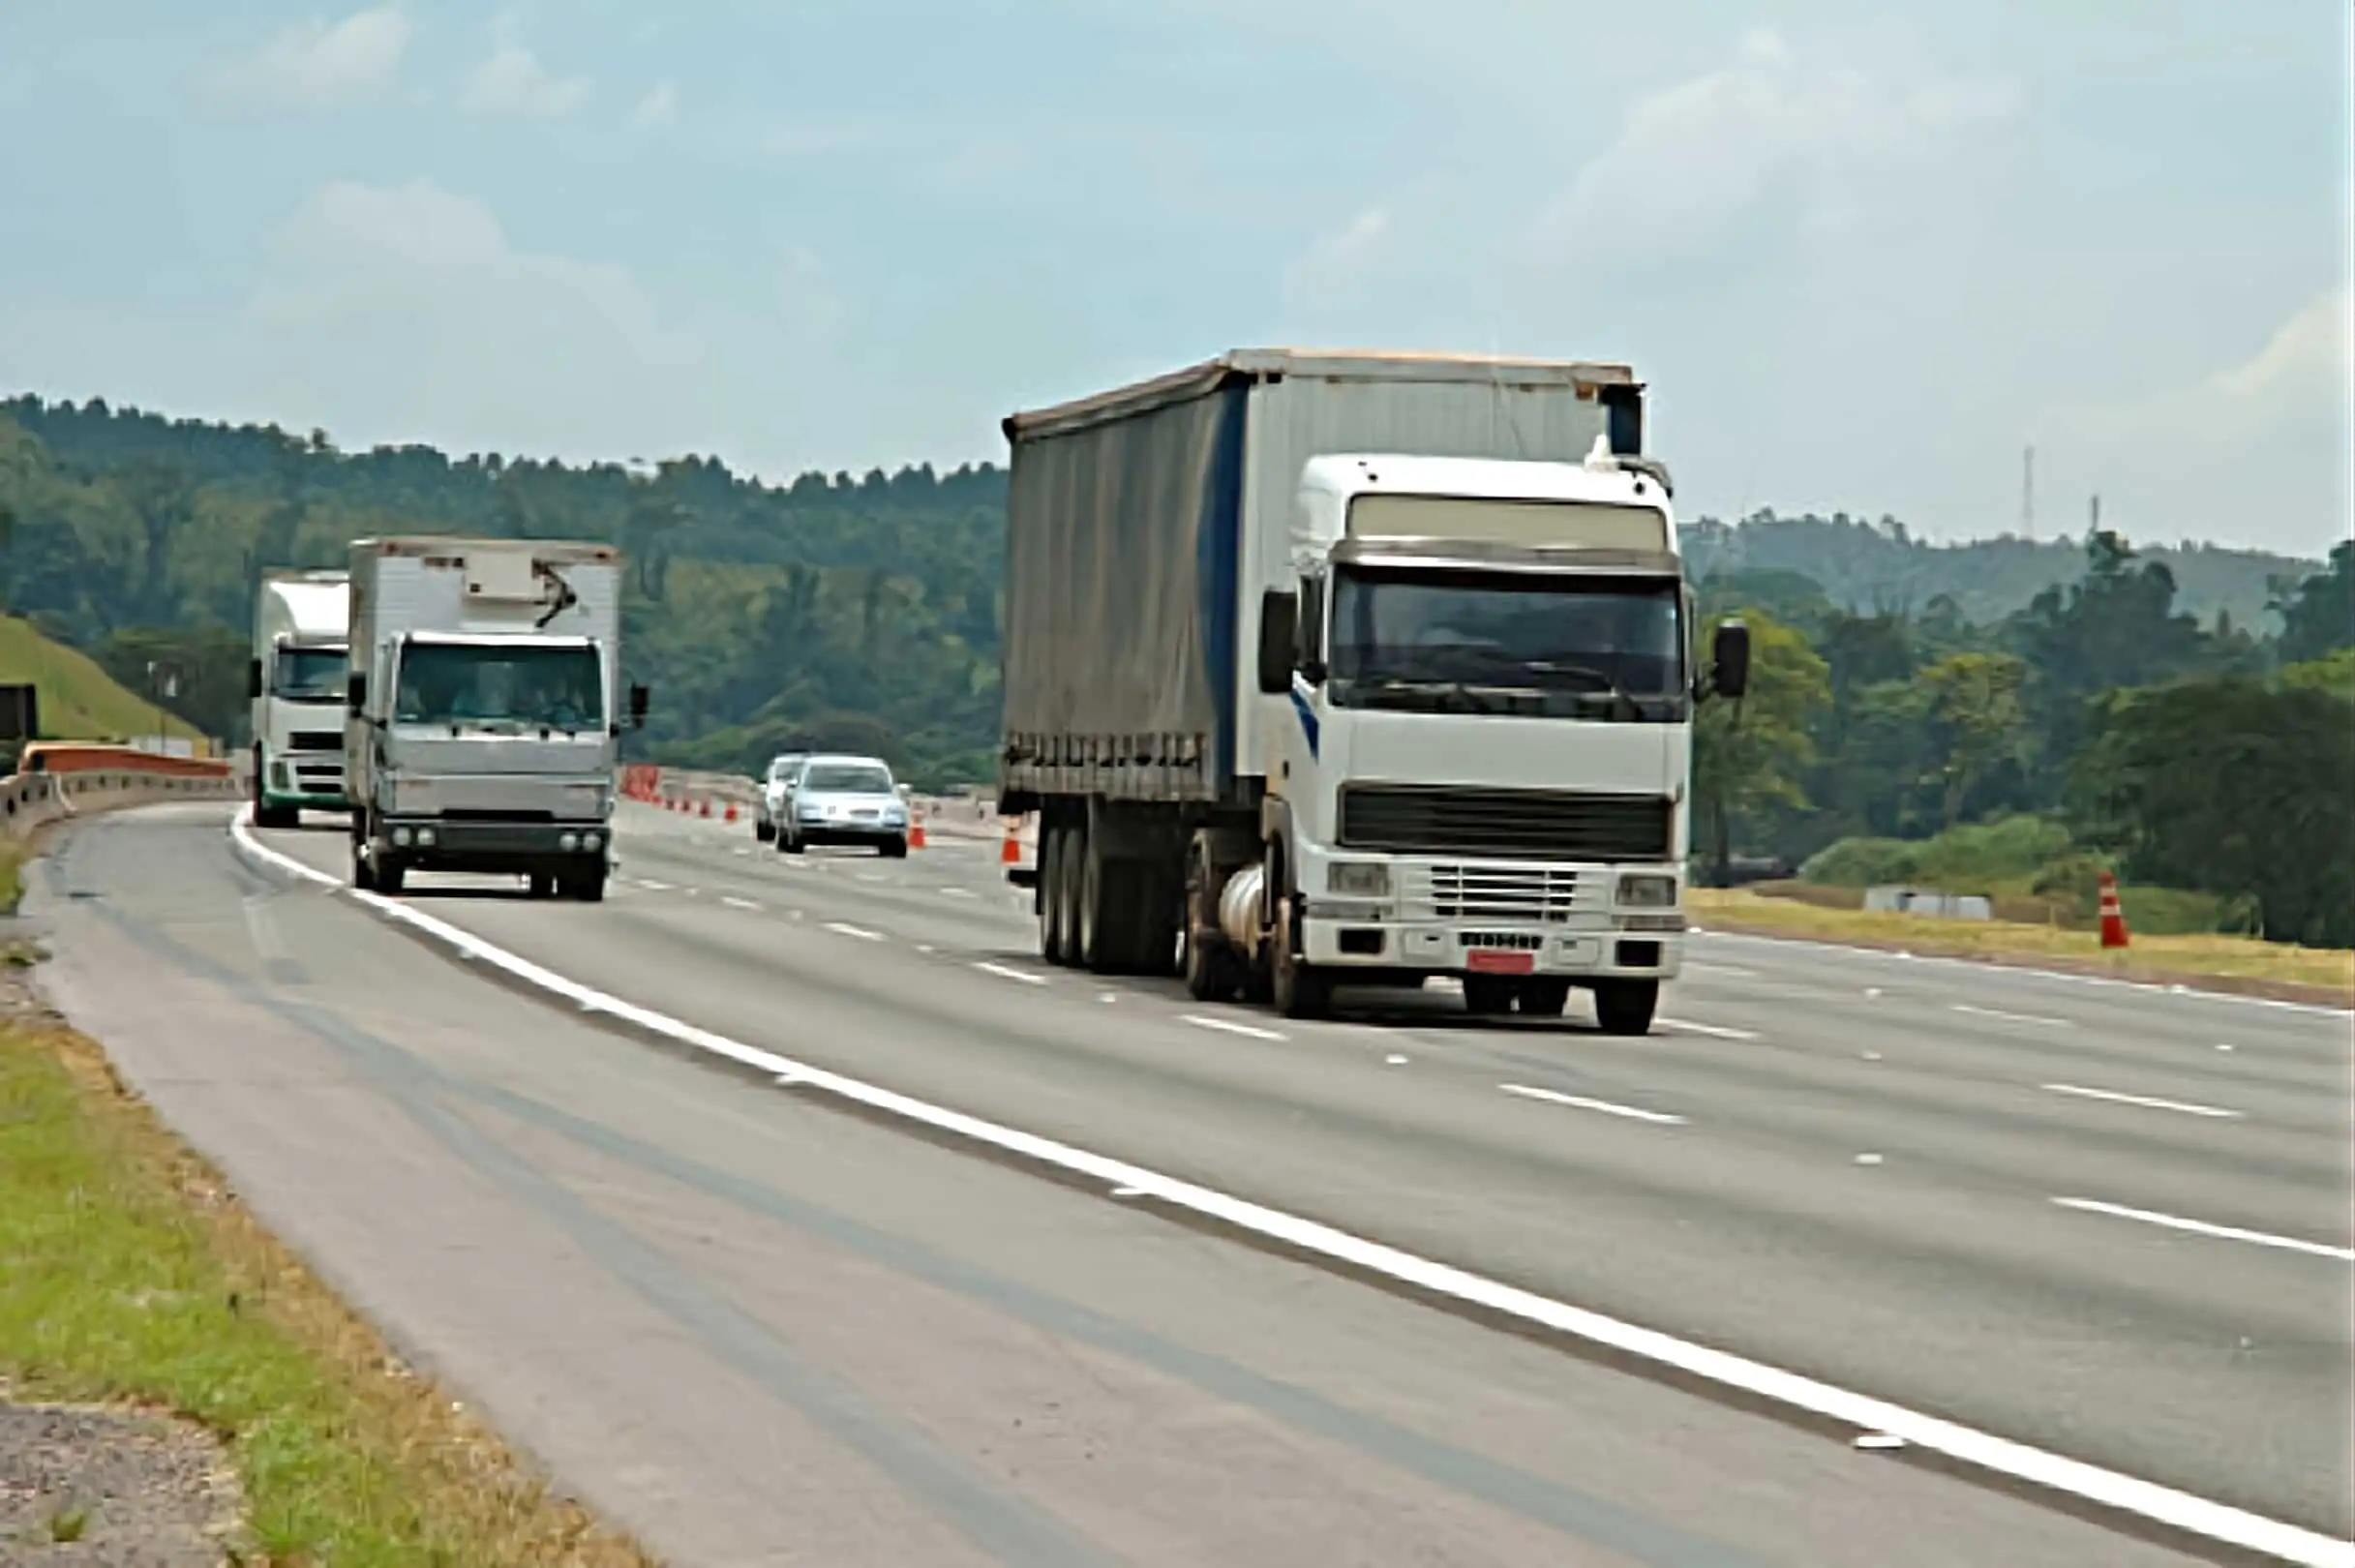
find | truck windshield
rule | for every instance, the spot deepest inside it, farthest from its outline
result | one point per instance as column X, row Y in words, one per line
column 309, row 675
column 501, row 686
column 1448, row 639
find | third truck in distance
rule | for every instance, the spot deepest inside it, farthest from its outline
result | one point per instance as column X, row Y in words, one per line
column 1349, row 667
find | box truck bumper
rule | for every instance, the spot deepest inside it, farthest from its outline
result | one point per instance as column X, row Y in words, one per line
column 1411, row 950
column 491, row 846
column 296, row 781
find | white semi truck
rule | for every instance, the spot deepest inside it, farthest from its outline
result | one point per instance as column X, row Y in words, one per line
column 302, row 625
column 1344, row 668
column 481, row 731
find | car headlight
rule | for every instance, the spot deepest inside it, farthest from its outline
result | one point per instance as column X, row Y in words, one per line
column 1358, row 879
column 1647, row 890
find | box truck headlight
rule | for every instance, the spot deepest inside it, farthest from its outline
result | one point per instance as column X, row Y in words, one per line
column 425, row 838
column 1640, row 889
column 1358, row 879
column 401, row 836
column 591, row 842
column 569, row 842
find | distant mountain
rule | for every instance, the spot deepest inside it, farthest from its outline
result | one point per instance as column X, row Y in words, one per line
column 1865, row 567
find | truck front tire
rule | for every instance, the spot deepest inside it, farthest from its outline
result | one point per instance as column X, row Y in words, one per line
column 1625, row 1006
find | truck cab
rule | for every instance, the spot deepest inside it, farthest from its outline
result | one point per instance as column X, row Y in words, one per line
column 295, row 681
column 1484, row 745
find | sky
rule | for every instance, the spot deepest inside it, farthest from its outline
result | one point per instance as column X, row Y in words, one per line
column 1864, row 254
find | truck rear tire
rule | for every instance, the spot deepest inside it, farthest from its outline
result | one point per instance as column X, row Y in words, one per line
column 763, row 832
column 586, row 887
column 1626, row 1006
column 1298, row 987
column 390, row 875
column 1055, row 896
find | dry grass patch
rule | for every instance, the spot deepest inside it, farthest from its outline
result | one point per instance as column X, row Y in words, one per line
column 2241, row 964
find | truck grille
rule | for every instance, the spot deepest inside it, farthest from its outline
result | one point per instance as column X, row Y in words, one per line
column 316, row 740
column 1416, row 819
column 1502, row 892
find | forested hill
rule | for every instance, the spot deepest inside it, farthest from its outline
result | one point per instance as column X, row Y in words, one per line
column 849, row 610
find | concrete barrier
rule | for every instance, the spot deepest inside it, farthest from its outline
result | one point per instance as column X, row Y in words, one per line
column 32, row 801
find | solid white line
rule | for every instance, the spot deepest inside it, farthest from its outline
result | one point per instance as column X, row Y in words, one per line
column 734, row 902
column 1719, row 1030
column 1227, row 1026
column 2197, row 1516
column 959, row 893
column 2144, row 1101
column 2012, row 1017
column 1734, row 969
column 1005, row 972
column 1633, row 1113
column 2201, row 1228
column 651, row 885
column 842, row 929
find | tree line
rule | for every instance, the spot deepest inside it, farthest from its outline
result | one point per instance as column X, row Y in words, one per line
column 2205, row 758
column 1902, row 688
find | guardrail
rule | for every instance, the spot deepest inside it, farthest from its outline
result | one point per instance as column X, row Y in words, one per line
column 31, row 801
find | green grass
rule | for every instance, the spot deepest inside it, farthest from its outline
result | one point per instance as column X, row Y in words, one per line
column 129, row 1274
column 78, row 700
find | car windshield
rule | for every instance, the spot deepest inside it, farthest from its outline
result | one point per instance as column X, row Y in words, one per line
column 310, row 674
column 846, row 778
column 501, row 686
column 1594, row 647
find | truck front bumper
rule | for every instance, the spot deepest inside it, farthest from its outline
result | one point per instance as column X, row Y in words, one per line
column 1647, row 945
column 489, row 844
column 305, row 779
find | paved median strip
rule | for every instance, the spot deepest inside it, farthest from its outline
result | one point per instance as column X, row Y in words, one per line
column 1861, row 1413
column 1555, row 1097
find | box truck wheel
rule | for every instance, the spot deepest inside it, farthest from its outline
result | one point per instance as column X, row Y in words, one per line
column 1486, row 996
column 1055, row 896
column 1625, row 1006
column 390, row 874
column 763, row 830
column 1213, row 971
column 586, row 886
column 1091, row 942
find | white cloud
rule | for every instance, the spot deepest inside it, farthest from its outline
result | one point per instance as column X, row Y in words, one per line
column 321, row 64
column 410, row 306
column 512, row 81
column 1778, row 143
column 2251, row 450
column 1338, row 261
column 658, row 107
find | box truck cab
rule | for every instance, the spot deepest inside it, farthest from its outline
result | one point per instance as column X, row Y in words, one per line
column 483, row 726
column 302, row 625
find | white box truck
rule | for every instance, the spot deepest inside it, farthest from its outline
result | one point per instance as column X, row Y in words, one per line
column 1354, row 668
column 481, row 731
column 302, row 627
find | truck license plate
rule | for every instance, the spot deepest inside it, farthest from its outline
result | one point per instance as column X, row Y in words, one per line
column 1499, row 961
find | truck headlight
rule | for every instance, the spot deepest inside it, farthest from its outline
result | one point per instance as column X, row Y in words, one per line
column 1358, row 879
column 1646, row 889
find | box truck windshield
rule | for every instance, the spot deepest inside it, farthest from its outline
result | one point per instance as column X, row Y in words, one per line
column 1541, row 643
column 524, row 686
column 309, row 675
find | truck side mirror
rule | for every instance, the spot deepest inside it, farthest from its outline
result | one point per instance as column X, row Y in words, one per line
column 1279, row 615
column 1730, row 658
column 253, row 678
column 639, row 697
column 1308, row 633
column 355, row 692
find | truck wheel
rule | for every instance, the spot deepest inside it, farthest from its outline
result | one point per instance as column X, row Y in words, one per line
column 390, row 876
column 1544, row 998
column 1091, row 943
column 1484, row 996
column 1626, row 1006
column 363, row 876
column 763, row 832
column 1300, row 991
column 540, row 884
column 788, row 842
column 586, row 887
column 1054, row 902
column 1213, row 971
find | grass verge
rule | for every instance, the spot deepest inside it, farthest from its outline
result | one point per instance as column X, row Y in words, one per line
column 134, row 1276
column 2213, row 962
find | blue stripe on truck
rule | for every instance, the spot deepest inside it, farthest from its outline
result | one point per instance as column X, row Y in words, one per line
column 1217, row 562
column 1310, row 728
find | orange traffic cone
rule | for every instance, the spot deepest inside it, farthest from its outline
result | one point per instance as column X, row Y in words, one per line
column 1010, row 852
column 706, row 810
column 915, row 833
column 732, row 811
column 2113, row 916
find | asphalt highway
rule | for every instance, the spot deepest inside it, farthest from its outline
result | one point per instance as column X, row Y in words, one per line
column 2107, row 1221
